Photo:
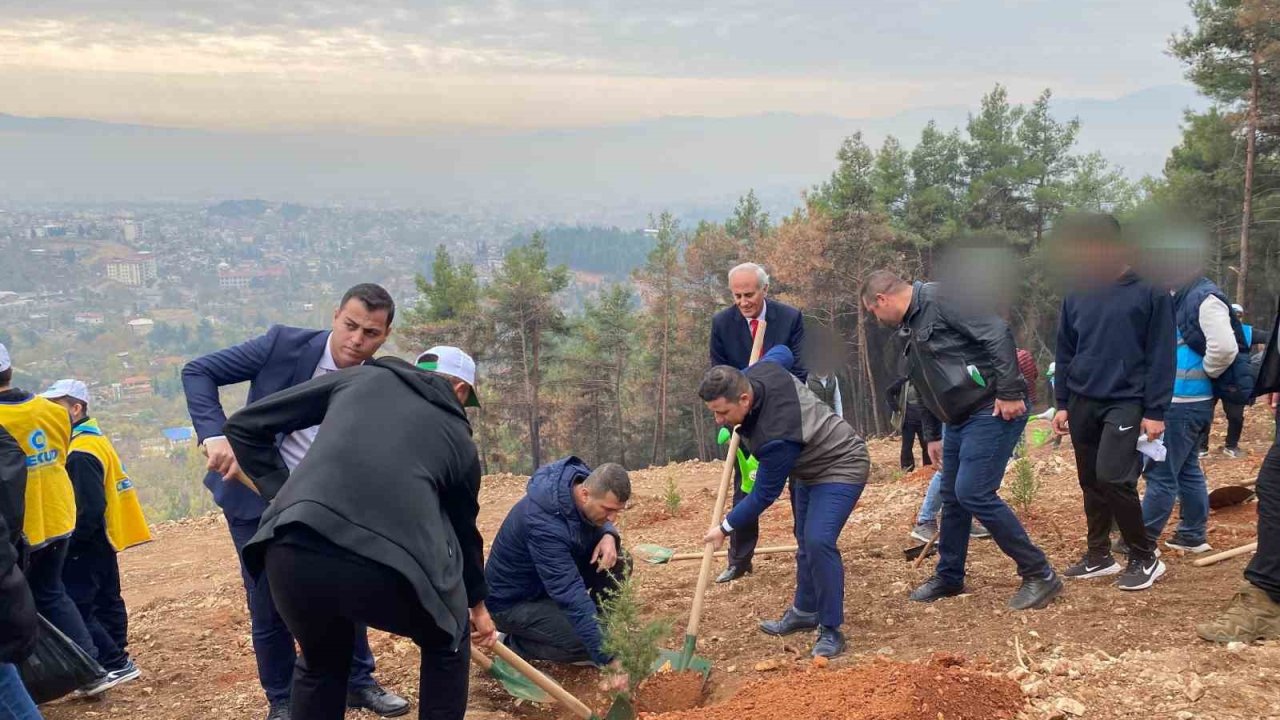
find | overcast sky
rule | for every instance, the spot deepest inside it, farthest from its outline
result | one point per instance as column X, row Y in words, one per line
column 409, row 65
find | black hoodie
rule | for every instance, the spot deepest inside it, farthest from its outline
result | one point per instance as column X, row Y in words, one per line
column 393, row 476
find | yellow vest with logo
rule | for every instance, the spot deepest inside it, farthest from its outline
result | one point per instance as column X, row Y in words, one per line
column 43, row 430
column 125, row 523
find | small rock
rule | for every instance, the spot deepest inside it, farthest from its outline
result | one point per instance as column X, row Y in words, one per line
column 1185, row 715
column 1070, row 706
column 821, row 662
column 767, row 665
column 1194, row 689
column 1034, row 689
column 886, row 650
column 1018, row 674
column 1235, row 646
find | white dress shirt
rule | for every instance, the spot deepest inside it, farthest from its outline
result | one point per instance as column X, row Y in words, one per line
column 296, row 444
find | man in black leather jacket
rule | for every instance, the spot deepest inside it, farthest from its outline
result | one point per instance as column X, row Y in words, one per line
column 964, row 365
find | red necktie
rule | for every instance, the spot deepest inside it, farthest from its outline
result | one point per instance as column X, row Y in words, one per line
column 755, row 323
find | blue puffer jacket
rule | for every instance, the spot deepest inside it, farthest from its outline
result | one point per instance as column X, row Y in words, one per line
column 542, row 547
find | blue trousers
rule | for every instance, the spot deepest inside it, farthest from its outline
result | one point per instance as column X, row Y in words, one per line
column 1179, row 477
column 45, row 578
column 974, row 456
column 821, row 512
column 272, row 641
column 15, row 703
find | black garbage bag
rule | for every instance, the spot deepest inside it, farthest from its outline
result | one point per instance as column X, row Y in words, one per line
column 57, row 666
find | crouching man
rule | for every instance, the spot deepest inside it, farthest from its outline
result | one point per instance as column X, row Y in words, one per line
column 555, row 556
column 794, row 434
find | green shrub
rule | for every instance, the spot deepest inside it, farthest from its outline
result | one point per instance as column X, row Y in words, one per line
column 627, row 636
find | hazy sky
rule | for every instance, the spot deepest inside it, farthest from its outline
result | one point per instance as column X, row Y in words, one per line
column 406, row 65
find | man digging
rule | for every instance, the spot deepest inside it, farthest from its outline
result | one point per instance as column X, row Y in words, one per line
column 794, row 434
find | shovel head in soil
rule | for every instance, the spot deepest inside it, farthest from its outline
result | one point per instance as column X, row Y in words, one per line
column 517, row 686
column 659, row 555
column 1230, row 495
column 683, row 659
column 914, row 551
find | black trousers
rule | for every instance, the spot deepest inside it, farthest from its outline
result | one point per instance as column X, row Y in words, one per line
column 745, row 537
column 1104, row 435
column 1235, row 425
column 913, row 428
column 1264, row 569
column 92, row 578
column 323, row 595
column 539, row 629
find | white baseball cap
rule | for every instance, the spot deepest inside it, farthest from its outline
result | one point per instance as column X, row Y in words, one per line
column 68, row 387
column 448, row 360
column 1237, row 308
column 5, row 362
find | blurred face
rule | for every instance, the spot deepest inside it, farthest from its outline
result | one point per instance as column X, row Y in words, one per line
column 730, row 413
column 357, row 333
column 747, row 293
column 597, row 510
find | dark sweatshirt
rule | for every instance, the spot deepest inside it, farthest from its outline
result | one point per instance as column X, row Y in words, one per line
column 1118, row 342
column 392, row 477
column 87, row 475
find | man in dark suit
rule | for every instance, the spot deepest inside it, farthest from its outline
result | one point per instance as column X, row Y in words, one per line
column 732, row 332
column 280, row 359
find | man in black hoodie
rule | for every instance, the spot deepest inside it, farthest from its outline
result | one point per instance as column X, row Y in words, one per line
column 375, row 526
column 1115, row 360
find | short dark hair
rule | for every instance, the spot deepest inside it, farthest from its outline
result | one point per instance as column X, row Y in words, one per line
column 609, row 478
column 374, row 297
column 880, row 282
column 1089, row 226
column 722, row 381
column 6, row 376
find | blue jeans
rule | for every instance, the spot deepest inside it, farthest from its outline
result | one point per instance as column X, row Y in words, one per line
column 974, row 455
column 1179, row 476
column 15, row 703
column 821, row 512
column 272, row 641
column 932, row 501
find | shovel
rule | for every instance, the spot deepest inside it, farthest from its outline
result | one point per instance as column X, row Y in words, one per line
column 684, row 659
column 620, row 710
column 517, row 686
column 659, row 555
column 1232, row 495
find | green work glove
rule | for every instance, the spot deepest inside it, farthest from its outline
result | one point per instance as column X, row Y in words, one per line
column 747, row 465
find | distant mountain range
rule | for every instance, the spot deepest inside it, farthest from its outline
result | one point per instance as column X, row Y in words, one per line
column 694, row 166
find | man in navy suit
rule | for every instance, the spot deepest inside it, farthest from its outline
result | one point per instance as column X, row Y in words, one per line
column 733, row 330
column 280, row 359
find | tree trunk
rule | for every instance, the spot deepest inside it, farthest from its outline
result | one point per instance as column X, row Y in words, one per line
column 1250, row 153
column 866, row 367
column 617, row 398
column 660, row 427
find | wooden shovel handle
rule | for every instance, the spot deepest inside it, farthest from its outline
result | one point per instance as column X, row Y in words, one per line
column 722, row 553
column 726, row 477
column 1225, row 555
column 925, row 551
column 549, row 686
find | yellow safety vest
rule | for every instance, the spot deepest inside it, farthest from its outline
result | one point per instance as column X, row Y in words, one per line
column 43, row 430
column 125, row 523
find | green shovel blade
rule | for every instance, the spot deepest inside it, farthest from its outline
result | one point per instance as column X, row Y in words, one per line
column 517, row 685
column 683, row 659
column 655, row 554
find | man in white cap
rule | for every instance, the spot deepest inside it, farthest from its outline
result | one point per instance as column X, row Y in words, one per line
column 458, row 365
column 109, row 519
column 44, row 432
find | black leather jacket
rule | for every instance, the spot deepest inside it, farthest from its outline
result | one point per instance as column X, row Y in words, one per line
column 942, row 344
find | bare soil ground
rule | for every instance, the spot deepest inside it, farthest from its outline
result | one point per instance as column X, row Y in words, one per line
column 1097, row 651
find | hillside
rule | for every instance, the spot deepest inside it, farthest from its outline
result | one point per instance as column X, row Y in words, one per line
column 1120, row 655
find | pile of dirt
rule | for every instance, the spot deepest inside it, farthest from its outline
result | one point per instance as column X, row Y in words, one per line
column 879, row 690
column 669, row 692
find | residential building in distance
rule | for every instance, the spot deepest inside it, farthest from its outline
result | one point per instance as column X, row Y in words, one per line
column 135, row 270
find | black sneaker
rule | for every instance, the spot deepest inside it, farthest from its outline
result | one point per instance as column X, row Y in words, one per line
column 279, row 711
column 1092, row 567
column 1036, row 594
column 125, row 673
column 934, row 589
column 97, row 686
column 1141, row 573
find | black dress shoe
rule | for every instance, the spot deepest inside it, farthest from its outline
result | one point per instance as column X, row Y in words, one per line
column 1035, row 594
column 377, row 699
column 935, row 589
column 792, row 621
column 279, row 711
column 733, row 572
